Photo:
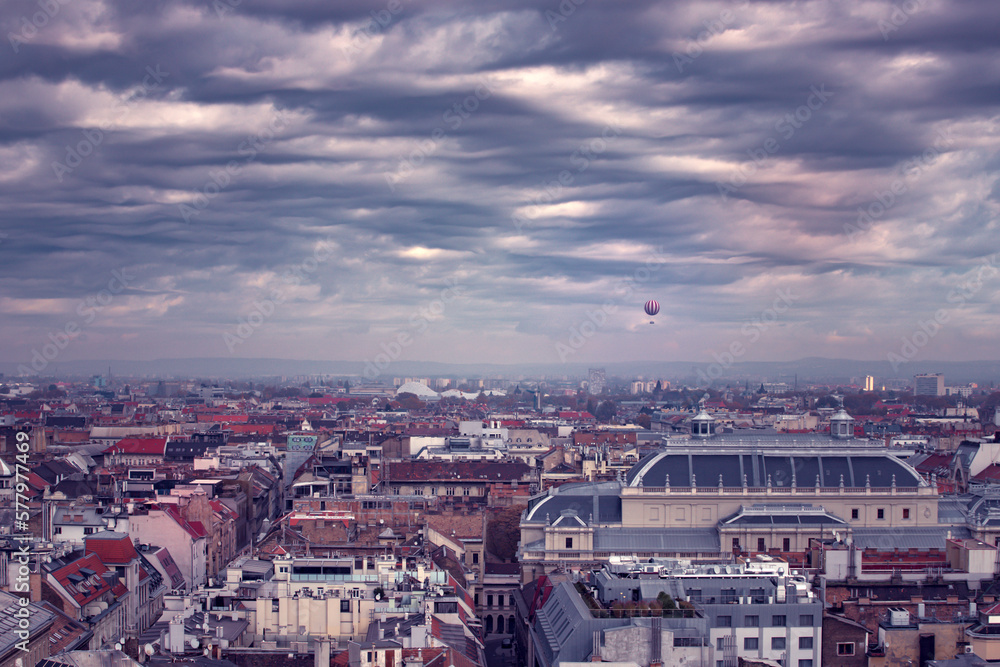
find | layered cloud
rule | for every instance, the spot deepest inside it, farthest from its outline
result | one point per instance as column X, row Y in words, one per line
column 347, row 163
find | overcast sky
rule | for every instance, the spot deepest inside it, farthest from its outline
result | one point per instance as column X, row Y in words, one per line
column 499, row 181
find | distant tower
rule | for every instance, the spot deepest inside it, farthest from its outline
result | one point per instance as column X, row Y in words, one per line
column 597, row 380
column 869, row 383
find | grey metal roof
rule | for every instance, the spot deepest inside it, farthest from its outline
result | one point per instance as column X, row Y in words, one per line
column 890, row 539
column 952, row 509
column 101, row 658
column 593, row 503
column 782, row 515
column 38, row 619
column 673, row 540
column 732, row 467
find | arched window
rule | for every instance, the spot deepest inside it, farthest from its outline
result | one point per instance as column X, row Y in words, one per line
column 500, row 624
column 510, row 624
column 489, row 624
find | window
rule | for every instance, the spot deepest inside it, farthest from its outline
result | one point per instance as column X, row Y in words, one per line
column 880, row 513
column 725, row 621
column 751, row 621
column 736, row 544
column 89, row 530
column 489, row 600
column 786, row 544
column 511, row 603
column 777, row 643
column 805, row 642
column 778, row 621
column 906, row 512
column 476, row 599
column 855, row 513
column 57, row 530
column 750, row 643
column 465, row 491
column 760, row 544
column 569, row 542
column 345, row 606
column 805, row 663
column 475, row 558
column 450, row 491
column 806, row 620
column 845, row 648
column 718, row 643
column 274, row 604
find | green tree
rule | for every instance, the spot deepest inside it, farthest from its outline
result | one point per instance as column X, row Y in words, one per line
column 503, row 532
column 827, row 402
column 606, row 411
column 409, row 401
column 666, row 602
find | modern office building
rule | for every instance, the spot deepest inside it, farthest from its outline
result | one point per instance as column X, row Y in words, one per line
column 928, row 384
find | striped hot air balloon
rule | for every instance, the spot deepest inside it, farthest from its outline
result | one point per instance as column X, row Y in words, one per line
column 652, row 308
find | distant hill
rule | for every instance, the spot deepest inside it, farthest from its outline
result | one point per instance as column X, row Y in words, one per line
column 812, row 369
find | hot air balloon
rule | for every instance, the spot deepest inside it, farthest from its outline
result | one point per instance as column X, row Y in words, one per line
column 652, row 308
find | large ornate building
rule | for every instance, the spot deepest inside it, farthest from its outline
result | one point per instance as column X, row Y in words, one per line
column 707, row 493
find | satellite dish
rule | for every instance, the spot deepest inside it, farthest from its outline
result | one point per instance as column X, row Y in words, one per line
column 194, row 642
column 374, row 402
column 148, row 649
column 118, row 646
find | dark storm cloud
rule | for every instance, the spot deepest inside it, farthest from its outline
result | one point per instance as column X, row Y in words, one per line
column 538, row 155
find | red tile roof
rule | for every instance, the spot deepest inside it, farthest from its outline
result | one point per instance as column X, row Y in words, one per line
column 995, row 609
column 138, row 446
column 221, row 508
column 586, row 416
column 193, row 528
column 91, row 587
column 111, row 548
column 990, row 474
column 173, row 572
